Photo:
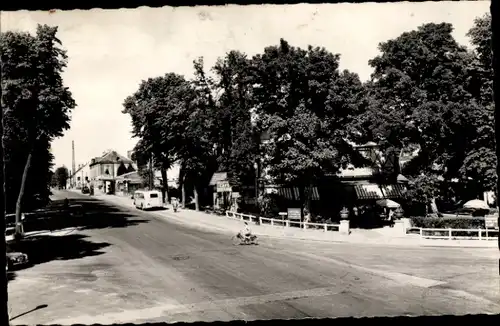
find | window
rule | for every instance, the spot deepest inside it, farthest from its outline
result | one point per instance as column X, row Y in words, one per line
column 153, row 196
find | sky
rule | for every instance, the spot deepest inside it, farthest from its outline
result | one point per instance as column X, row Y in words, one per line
column 112, row 51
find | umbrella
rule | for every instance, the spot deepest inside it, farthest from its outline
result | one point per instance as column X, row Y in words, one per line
column 476, row 204
column 388, row 203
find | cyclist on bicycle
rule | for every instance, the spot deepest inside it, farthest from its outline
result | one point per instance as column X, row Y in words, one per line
column 246, row 232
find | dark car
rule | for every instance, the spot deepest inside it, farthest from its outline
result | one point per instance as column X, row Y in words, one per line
column 85, row 190
column 15, row 259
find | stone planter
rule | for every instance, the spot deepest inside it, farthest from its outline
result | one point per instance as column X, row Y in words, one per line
column 398, row 213
column 344, row 213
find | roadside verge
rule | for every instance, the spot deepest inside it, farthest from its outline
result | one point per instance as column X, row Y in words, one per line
column 231, row 226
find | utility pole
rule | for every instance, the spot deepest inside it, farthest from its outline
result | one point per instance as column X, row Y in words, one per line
column 73, row 164
column 151, row 176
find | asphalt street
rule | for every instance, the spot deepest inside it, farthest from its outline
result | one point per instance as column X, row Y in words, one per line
column 125, row 265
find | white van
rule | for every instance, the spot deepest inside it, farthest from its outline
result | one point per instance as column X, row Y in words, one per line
column 147, row 199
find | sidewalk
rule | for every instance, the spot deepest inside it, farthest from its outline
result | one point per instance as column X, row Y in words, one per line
column 232, row 226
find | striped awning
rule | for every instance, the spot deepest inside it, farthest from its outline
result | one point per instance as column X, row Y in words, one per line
column 375, row 191
column 394, row 191
column 293, row 193
column 369, row 191
column 217, row 177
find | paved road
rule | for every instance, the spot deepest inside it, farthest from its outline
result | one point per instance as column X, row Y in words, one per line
column 146, row 269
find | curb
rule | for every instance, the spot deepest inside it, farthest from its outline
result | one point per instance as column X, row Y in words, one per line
column 412, row 243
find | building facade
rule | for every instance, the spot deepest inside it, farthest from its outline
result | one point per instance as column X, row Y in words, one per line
column 104, row 170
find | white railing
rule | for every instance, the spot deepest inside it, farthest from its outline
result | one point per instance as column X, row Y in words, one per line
column 282, row 222
column 454, row 234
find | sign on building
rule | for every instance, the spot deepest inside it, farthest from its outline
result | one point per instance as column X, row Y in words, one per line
column 491, row 221
column 223, row 186
column 294, row 214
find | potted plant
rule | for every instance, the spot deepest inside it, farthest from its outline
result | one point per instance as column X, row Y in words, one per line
column 399, row 212
column 344, row 213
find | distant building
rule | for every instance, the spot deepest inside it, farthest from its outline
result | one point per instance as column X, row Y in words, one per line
column 81, row 176
column 105, row 169
column 172, row 174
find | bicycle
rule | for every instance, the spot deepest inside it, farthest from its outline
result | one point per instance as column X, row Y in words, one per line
column 239, row 239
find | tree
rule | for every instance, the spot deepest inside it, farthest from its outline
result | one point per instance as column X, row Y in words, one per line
column 4, row 314
column 421, row 100
column 61, row 176
column 480, row 161
column 235, row 138
column 305, row 103
column 197, row 143
column 35, row 102
column 155, row 110
column 143, row 159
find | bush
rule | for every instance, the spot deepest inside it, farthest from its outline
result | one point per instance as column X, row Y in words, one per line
column 440, row 223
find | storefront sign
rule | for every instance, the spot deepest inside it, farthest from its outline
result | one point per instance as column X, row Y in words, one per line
column 294, row 214
column 223, row 186
column 491, row 221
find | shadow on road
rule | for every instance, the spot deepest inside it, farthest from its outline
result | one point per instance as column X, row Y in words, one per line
column 44, row 248
column 83, row 214
column 29, row 311
column 11, row 276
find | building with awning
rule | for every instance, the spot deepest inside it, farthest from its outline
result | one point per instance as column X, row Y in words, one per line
column 222, row 191
column 128, row 183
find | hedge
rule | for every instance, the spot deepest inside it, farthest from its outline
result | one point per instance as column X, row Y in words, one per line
column 440, row 223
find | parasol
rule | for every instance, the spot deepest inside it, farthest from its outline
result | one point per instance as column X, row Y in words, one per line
column 388, row 203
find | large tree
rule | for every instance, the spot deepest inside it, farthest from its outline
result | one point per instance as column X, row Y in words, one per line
column 61, row 176
column 236, row 139
column 422, row 101
column 480, row 161
column 305, row 103
column 198, row 142
column 36, row 107
column 156, row 110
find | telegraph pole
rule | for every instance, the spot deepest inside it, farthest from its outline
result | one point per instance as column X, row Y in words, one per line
column 151, row 176
column 73, row 164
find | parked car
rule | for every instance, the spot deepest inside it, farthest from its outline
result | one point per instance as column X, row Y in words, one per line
column 15, row 259
column 148, row 199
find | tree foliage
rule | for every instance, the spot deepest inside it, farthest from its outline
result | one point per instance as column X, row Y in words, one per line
column 425, row 98
column 61, row 176
column 157, row 110
column 305, row 104
column 428, row 96
column 36, row 107
column 235, row 136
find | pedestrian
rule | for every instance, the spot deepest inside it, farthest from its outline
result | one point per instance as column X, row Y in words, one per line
column 175, row 204
column 390, row 217
column 307, row 217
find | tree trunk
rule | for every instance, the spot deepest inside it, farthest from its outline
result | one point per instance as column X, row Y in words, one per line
column 196, row 198
column 165, row 185
column 151, row 174
column 3, row 246
column 21, row 194
column 308, row 198
column 434, row 208
column 183, row 191
column 302, row 202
